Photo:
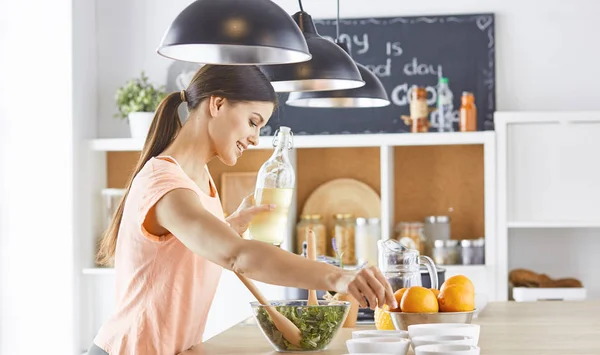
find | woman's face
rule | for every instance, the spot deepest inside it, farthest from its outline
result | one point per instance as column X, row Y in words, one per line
column 234, row 127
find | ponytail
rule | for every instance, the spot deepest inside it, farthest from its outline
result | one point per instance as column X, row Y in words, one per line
column 165, row 126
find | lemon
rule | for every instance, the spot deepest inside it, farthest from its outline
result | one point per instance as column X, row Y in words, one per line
column 383, row 321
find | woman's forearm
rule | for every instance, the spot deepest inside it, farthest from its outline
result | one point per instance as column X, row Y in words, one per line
column 269, row 264
column 206, row 235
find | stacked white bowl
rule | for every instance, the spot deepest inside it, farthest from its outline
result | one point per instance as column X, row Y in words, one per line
column 426, row 339
column 445, row 339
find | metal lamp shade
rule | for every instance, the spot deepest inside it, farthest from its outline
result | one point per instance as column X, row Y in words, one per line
column 372, row 94
column 330, row 67
column 234, row 32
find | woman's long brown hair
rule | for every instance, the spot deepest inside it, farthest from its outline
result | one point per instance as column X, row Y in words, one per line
column 235, row 83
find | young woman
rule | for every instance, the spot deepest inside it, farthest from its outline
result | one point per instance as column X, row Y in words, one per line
column 169, row 239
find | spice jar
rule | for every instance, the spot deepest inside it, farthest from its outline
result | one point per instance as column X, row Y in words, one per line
column 315, row 223
column 343, row 233
column 437, row 227
column 367, row 233
column 467, row 113
column 472, row 251
column 410, row 234
column 445, row 252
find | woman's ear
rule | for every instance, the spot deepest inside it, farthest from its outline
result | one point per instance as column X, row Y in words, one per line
column 215, row 105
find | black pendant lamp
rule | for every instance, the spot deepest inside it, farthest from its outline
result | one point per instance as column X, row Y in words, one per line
column 330, row 68
column 234, row 32
column 372, row 94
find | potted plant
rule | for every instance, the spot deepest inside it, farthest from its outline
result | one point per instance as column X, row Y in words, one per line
column 137, row 100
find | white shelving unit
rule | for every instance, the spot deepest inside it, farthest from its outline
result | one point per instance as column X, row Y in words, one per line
column 555, row 224
column 330, row 141
column 231, row 294
column 548, row 193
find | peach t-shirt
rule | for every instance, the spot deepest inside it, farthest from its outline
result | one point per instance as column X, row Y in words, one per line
column 163, row 290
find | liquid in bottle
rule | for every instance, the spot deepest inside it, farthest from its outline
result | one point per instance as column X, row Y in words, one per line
column 274, row 185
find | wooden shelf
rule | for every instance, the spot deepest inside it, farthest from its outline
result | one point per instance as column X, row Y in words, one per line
column 557, row 224
column 331, row 141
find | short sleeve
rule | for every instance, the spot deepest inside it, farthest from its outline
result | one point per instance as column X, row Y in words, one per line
column 162, row 178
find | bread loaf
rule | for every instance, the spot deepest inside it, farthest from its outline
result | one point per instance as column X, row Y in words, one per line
column 529, row 278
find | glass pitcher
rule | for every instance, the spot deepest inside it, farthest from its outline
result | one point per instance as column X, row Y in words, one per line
column 401, row 265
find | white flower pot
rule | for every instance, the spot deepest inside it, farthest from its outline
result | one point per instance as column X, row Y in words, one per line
column 139, row 123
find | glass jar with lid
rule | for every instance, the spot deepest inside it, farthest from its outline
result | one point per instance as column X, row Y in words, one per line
column 343, row 234
column 367, row 233
column 472, row 251
column 315, row 223
column 410, row 234
column 445, row 252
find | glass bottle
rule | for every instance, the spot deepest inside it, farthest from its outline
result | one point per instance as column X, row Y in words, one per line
column 419, row 112
column 274, row 185
column 444, row 106
column 468, row 113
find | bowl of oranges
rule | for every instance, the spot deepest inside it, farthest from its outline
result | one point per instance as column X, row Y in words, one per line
column 454, row 302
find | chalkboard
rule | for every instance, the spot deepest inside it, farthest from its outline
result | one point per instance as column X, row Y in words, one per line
column 405, row 52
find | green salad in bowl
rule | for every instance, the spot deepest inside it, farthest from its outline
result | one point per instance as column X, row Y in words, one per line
column 318, row 324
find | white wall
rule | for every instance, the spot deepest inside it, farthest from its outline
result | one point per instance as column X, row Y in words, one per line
column 36, row 164
column 545, row 54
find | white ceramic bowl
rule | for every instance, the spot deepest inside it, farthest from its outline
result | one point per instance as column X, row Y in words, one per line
column 470, row 330
column 442, row 339
column 370, row 333
column 385, row 345
column 447, row 349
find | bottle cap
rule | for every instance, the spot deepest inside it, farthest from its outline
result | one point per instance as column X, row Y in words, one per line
column 443, row 80
column 284, row 129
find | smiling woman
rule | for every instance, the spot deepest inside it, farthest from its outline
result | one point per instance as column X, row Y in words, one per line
column 169, row 239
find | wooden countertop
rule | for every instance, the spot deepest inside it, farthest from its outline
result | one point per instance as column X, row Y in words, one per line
column 508, row 328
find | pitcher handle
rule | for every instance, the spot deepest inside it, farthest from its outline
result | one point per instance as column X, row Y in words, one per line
column 425, row 260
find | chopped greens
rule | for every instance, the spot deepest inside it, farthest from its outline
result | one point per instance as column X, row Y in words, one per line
column 318, row 325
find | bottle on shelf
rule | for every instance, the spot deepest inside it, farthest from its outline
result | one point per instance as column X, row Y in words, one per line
column 274, row 185
column 445, row 107
column 468, row 113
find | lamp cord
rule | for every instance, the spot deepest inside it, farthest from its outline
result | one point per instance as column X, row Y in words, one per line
column 337, row 23
column 300, row 4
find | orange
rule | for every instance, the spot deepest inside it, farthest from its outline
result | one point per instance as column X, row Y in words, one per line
column 456, row 298
column 418, row 299
column 459, row 280
column 435, row 291
column 398, row 295
column 383, row 321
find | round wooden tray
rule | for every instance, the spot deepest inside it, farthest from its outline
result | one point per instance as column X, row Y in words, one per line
column 343, row 196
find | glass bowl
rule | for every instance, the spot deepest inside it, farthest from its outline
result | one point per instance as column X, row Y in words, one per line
column 319, row 324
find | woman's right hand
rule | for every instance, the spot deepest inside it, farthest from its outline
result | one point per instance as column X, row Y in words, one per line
column 367, row 283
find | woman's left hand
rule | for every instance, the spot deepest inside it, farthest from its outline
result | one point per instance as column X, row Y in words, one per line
column 241, row 218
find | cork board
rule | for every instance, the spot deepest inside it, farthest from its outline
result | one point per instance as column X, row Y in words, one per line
column 431, row 180
column 428, row 179
column 317, row 166
column 119, row 167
